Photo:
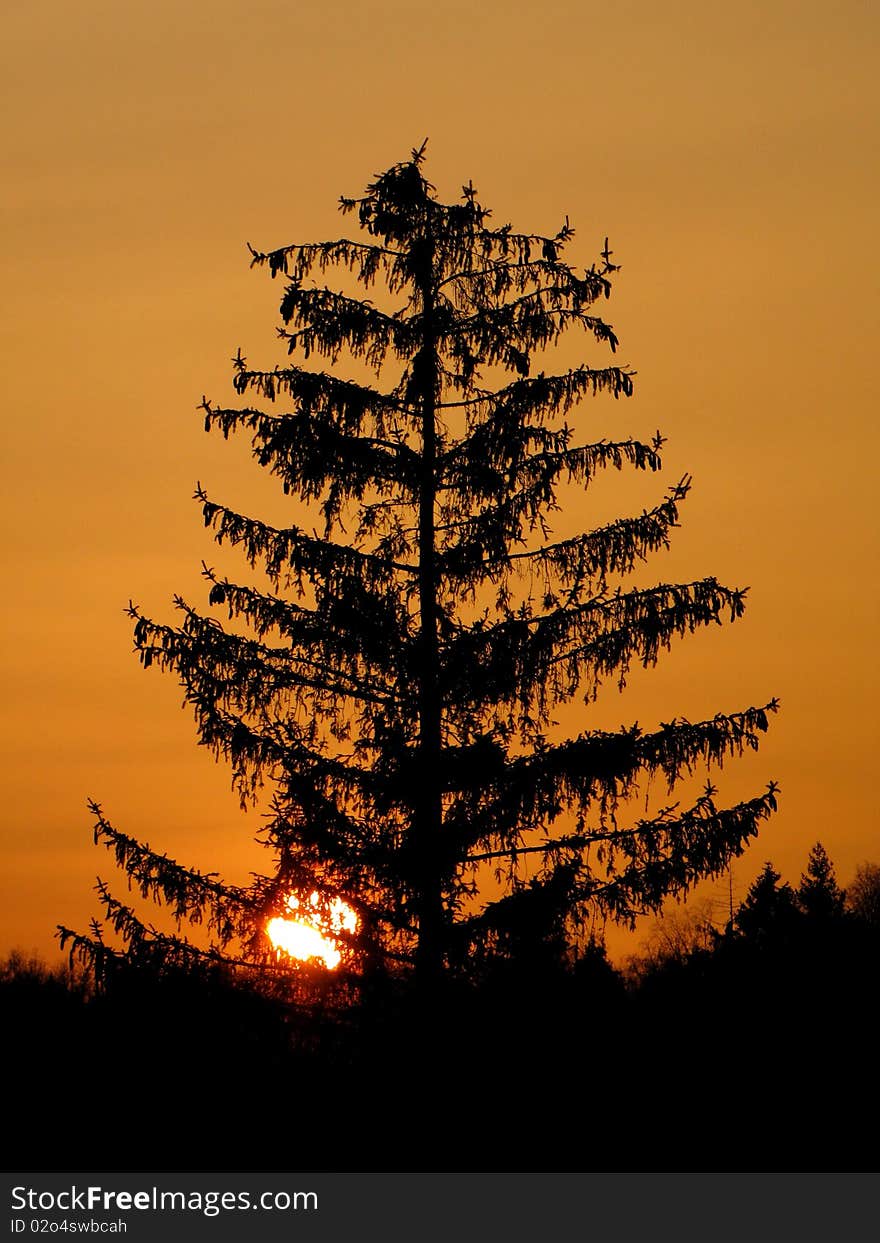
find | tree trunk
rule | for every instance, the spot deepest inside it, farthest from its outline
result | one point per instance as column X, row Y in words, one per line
column 428, row 805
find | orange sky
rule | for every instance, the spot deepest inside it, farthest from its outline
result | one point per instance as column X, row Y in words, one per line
column 729, row 154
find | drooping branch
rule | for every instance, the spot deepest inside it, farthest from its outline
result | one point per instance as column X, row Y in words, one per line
column 507, row 335
column 529, row 495
column 351, row 628
column 190, row 895
column 347, row 404
column 309, row 453
column 478, row 286
column 582, row 564
column 671, row 854
column 298, row 261
column 624, row 873
column 291, row 556
column 499, row 798
column 325, row 323
column 547, row 657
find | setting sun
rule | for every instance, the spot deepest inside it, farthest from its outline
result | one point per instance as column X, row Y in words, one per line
column 313, row 930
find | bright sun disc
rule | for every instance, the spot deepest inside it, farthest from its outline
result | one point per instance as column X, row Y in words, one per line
column 310, row 933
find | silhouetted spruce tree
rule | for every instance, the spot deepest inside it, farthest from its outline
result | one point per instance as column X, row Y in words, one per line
column 768, row 915
column 398, row 684
column 819, row 896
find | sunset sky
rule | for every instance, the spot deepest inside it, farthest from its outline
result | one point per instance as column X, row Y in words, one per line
column 728, row 153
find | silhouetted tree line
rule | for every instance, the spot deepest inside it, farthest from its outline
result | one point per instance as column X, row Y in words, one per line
column 752, row 1047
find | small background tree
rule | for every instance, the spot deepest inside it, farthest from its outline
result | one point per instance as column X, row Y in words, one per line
column 396, row 680
column 769, row 912
column 863, row 894
column 819, row 896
